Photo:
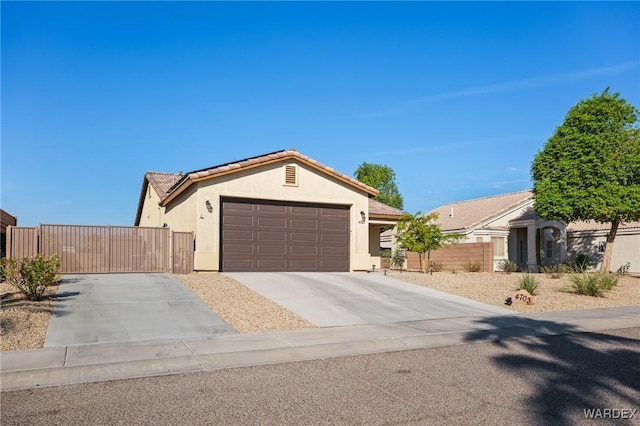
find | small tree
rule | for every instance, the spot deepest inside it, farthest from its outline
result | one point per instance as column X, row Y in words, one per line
column 383, row 178
column 590, row 167
column 421, row 234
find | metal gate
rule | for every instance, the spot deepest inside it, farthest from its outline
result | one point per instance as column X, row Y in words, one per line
column 94, row 249
column 182, row 252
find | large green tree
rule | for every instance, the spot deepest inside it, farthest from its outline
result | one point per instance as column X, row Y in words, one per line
column 383, row 178
column 590, row 167
column 421, row 234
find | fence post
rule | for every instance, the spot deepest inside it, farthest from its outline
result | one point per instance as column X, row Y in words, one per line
column 8, row 242
column 108, row 248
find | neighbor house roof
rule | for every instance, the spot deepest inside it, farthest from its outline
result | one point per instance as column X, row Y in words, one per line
column 590, row 225
column 468, row 214
column 169, row 185
column 380, row 210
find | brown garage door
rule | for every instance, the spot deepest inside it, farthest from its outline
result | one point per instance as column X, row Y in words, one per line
column 277, row 236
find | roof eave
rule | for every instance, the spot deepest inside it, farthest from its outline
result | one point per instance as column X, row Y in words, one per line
column 291, row 155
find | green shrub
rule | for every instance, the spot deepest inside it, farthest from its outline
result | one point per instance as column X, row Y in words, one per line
column 581, row 262
column 586, row 284
column 593, row 284
column 436, row 266
column 529, row 283
column 472, row 266
column 508, row 266
column 607, row 281
column 397, row 259
column 33, row 275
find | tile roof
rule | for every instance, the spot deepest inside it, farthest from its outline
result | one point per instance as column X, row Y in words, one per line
column 188, row 178
column 377, row 208
column 595, row 226
column 162, row 182
column 467, row 214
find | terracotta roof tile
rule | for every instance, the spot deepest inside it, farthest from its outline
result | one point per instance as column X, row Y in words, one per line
column 162, row 182
column 469, row 213
column 378, row 208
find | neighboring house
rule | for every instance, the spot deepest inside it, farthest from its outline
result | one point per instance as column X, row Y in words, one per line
column 5, row 220
column 518, row 234
column 590, row 237
column 509, row 222
column 280, row 211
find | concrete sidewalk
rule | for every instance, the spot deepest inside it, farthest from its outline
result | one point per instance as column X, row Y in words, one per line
column 110, row 361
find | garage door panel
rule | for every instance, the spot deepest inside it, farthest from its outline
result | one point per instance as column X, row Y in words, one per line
column 303, row 236
column 271, row 249
column 277, row 236
column 234, row 234
column 327, row 225
column 271, row 236
column 241, row 221
column 333, row 265
column 270, row 265
column 243, row 249
column 336, row 251
column 272, row 222
column 303, row 224
column 338, row 239
column 304, row 211
column 234, row 207
column 270, row 208
column 303, row 265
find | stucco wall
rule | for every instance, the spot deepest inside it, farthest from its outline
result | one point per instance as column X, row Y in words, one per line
column 190, row 212
column 626, row 248
column 151, row 211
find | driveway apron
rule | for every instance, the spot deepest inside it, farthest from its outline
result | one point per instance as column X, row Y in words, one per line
column 339, row 299
column 97, row 308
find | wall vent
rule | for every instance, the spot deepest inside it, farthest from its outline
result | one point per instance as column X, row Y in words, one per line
column 291, row 175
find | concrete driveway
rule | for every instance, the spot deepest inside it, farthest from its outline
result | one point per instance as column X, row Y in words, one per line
column 338, row 299
column 97, row 308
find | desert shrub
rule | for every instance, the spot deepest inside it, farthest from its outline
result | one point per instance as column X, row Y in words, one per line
column 529, row 283
column 624, row 269
column 397, row 259
column 507, row 266
column 33, row 275
column 10, row 270
column 593, row 284
column 581, row 262
column 472, row 266
column 436, row 266
column 586, row 284
column 555, row 271
column 607, row 281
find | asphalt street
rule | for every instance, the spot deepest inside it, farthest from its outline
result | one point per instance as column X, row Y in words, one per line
column 533, row 380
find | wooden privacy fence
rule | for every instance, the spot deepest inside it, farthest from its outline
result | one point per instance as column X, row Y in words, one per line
column 101, row 249
column 454, row 256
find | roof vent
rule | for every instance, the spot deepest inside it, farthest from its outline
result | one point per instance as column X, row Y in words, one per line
column 291, row 175
column 451, row 212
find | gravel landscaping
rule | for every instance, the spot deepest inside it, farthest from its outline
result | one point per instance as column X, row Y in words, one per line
column 24, row 324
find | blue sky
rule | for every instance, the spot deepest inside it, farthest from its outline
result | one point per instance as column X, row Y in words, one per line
column 456, row 97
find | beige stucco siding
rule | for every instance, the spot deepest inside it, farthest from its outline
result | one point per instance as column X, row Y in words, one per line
column 626, row 248
column 189, row 212
column 151, row 211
